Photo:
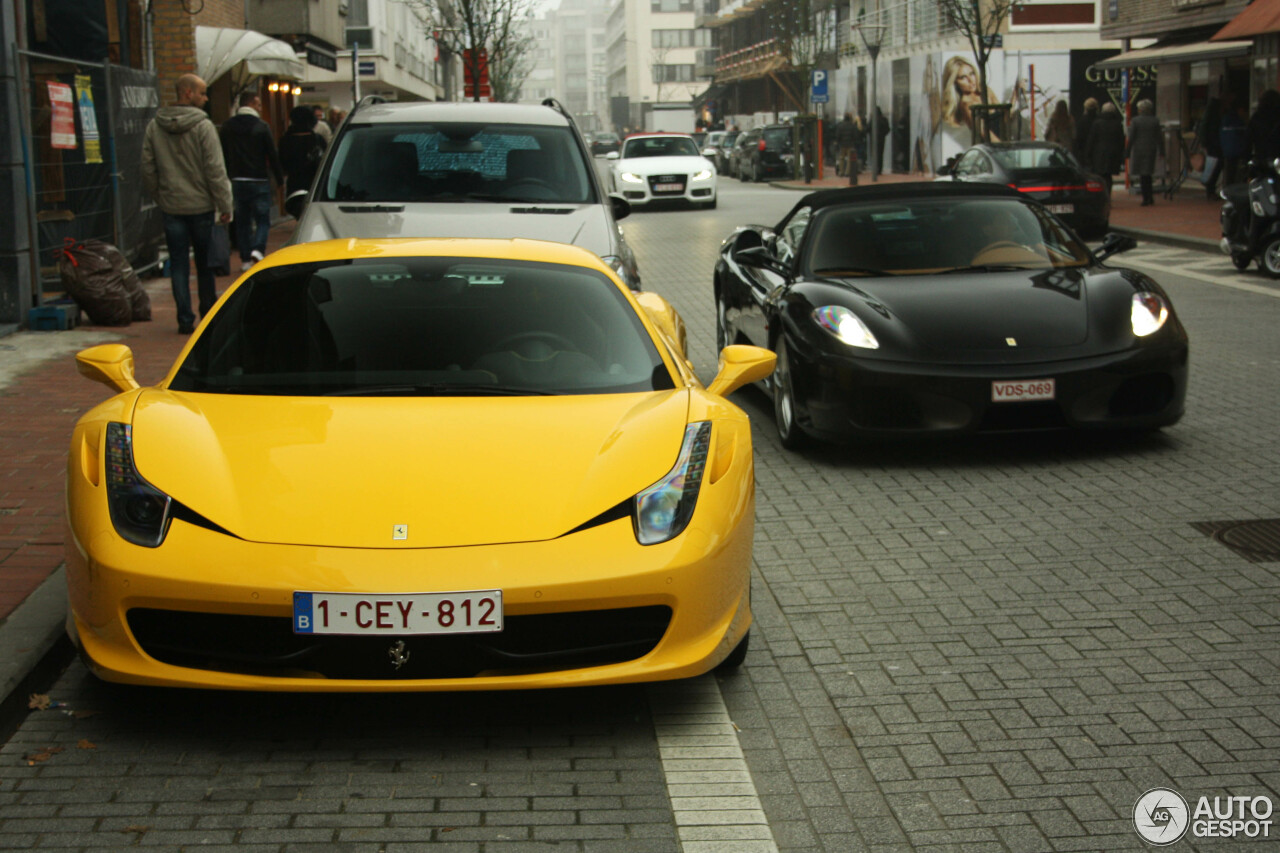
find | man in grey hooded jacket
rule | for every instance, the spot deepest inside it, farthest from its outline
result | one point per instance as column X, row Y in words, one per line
column 183, row 170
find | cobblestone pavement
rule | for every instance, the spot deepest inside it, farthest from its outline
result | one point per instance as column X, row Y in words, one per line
column 987, row 644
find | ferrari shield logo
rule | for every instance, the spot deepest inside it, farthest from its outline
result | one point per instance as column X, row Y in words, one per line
column 399, row 531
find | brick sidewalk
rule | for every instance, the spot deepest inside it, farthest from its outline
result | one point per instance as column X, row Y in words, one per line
column 38, row 412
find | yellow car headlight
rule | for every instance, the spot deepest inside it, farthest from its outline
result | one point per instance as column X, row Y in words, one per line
column 663, row 510
column 139, row 511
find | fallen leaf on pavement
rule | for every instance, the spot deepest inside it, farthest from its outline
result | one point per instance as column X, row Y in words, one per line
column 39, row 702
column 33, row 758
column 86, row 744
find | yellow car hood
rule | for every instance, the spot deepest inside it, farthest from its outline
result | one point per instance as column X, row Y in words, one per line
column 453, row 471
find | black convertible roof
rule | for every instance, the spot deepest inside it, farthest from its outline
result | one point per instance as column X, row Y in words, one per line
column 890, row 192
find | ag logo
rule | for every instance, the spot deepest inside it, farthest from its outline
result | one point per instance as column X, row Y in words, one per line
column 1161, row 817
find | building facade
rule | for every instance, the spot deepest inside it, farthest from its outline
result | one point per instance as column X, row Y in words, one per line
column 652, row 65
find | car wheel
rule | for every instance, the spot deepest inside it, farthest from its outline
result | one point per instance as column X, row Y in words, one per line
column 741, row 173
column 737, row 656
column 1269, row 260
column 784, row 402
column 1240, row 262
column 755, row 173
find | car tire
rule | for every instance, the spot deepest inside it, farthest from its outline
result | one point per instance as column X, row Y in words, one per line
column 709, row 205
column 1240, row 262
column 737, row 656
column 784, row 402
column 755, row 173
column 1269, row 259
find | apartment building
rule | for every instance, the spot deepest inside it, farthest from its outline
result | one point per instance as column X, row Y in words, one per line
column 653, row 63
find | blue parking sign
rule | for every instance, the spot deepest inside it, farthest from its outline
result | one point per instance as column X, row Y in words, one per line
column 818, row 86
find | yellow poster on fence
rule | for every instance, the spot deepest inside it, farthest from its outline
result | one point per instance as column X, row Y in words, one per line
column 88, row 119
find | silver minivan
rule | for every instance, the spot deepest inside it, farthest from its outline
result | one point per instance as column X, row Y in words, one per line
column 464, row 169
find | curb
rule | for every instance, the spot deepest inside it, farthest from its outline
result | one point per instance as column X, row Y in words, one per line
column 33, row 647
column 1177, row 240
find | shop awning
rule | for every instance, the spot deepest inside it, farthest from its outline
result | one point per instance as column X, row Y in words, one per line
column 1258, row 18
column 245, row 53
column 1194, row 52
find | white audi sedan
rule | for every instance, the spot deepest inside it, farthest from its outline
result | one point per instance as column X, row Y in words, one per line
column 659, row 166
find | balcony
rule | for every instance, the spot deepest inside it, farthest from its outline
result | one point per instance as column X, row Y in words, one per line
column 756, row 60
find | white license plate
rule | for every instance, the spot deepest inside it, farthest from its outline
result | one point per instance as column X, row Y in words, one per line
column 668, row 188
column 1061, row 208
column 1022, row 390
column 472, row 612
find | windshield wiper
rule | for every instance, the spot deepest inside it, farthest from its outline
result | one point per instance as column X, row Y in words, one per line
column 990, row 268
column 438, row 389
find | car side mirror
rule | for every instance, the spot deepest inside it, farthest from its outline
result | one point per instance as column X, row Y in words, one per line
column 612, row 155
column 110, row 364
column 761, row 258
column 1114, row 244
column 296, row 203
column 621, row 207
column 741, row 365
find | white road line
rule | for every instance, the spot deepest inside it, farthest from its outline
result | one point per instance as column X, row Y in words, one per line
column 1221, row 282
column 713, row 799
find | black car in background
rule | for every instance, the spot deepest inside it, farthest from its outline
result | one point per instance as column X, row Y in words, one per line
column 934, row 308
column 724, row 150
column 1045, row 172
column 604, row 141
column 764, row 152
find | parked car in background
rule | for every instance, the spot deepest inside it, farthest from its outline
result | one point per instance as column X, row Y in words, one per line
column 1045, row 172
column 724, row 150
column 767, row 153
column 737, row 155
column 604, row 141
column 662, row 167
column 935, row 308
column 711, row 144
column 460, row 169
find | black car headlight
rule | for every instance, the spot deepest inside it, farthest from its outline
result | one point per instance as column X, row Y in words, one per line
column 1148, row 313
column 663, row 510
column 139, row 511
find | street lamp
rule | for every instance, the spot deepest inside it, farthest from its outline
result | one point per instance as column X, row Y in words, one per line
column 872, row 36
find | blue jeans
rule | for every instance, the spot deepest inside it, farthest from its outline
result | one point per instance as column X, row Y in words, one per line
column 253, row 215
column 182, row 234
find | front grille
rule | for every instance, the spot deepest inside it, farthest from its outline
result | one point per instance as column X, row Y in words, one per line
column 1141, row 395
column 669, row 180
column 266, row 645
column 1017, row 416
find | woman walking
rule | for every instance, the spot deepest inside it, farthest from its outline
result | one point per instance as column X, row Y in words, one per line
column 1104, row 151
column 1061, row 129
column 1144, row 145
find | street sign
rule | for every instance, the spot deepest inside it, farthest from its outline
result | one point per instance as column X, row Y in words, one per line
column 818, row 86
column 993, row 41
column 368, row 68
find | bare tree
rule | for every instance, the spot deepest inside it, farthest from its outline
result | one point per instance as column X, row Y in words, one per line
column 480, row 31
column 510, row 65
column 806, row 31
column 980, row 22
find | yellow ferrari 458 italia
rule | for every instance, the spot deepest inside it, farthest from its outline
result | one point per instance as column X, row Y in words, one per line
column 415, row 465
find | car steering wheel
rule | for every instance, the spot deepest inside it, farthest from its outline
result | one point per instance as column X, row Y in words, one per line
column 559, row 342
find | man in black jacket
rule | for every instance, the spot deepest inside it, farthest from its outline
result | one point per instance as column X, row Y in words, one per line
column 251, row 159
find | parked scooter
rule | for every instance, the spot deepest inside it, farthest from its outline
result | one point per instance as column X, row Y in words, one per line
column 1251, row 219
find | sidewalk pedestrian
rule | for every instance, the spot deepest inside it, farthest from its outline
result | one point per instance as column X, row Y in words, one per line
column 1062, row 128
column 846, row 142
column 301, row 150
column 1143, row 147
column 882, row 132
column 1233, row 139
column 322, row 127
column 1104, row 151
column 1210, row 133
column 1087, row 119
column 252, row 160
column 183, row 171
column 1263, row 131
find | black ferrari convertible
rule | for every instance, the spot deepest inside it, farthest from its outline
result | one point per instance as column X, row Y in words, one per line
column 940, row 308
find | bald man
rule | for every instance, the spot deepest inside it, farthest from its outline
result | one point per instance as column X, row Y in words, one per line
column 183, row 170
